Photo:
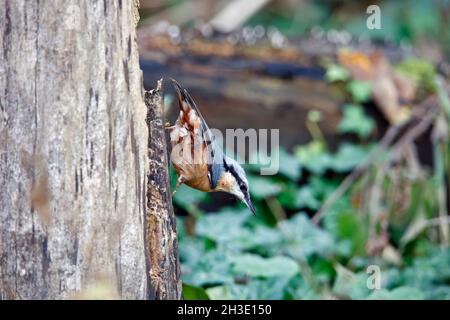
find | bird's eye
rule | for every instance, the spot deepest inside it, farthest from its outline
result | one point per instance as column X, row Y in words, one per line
column 243, row 187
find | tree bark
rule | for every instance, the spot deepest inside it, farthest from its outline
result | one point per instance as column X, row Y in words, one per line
column 162, row 250
column 73, row 152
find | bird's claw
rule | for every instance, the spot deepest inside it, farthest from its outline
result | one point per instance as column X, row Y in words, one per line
column 168, row 126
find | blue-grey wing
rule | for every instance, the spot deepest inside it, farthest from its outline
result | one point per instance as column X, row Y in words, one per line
column 215, row 163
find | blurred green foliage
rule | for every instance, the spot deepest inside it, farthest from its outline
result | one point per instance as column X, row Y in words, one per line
column 281, row 254
column 406, row 21
column 234, row 255
column 244, row 258
column 355, row 121
column 422, row 72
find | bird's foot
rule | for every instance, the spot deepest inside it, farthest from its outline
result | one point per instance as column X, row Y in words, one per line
column 168, row 126
column 180, row 181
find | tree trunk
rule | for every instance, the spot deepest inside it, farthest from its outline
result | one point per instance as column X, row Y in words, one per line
column 162, row 237
column 73, row 152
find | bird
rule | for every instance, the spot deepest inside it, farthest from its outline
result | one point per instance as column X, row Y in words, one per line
column 197, row 158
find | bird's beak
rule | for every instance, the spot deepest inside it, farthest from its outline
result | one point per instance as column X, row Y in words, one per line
column 249, row 203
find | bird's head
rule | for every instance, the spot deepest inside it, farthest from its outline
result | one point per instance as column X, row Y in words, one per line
column 234, row 181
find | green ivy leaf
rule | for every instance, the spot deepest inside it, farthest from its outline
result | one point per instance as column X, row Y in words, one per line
column 322, row 187
column 305, row 199
column 355, row 121
column 219, row 293
column 400, row 293
column 186, row 196
column 213, row 268
column 263, row 187
column 298, row 288
column 323, row 270
column 336, row 72
column 293, row 197
column 223, row 226
column 345, row 224
column 350, row 285
column 421, row 71
column 429, row 270
column 261, row 239
column 348, row 157
column 192, row 250
column 313, row 157
column 360, row 91
column 256, row 266
column 304, row 238
column 194, row 293
column 272, row 288
column 290, row 166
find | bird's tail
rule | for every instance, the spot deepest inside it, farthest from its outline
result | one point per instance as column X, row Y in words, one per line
column 187, row 104
column 184, row 99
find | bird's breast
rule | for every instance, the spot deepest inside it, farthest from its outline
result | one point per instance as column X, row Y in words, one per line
column 189, row 157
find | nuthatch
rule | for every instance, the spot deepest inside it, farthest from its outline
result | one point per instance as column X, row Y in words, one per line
column 198, row 160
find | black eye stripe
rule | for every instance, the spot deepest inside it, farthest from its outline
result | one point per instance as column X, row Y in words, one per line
column 240, row 182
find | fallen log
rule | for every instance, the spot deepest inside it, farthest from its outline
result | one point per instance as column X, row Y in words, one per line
column 250, row 86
